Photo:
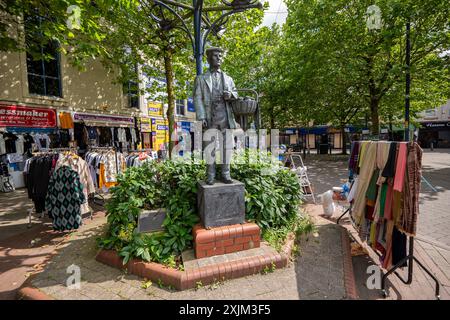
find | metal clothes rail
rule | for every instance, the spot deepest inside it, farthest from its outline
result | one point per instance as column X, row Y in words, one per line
column 410, row 258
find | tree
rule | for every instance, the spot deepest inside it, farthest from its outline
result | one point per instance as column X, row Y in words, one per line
column 122, row 34
column 321, row 37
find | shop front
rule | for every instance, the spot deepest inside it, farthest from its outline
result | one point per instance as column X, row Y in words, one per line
column 24, row 130
column 97, row 130
column 436, row 133
column 146, row 132
column 187, row 129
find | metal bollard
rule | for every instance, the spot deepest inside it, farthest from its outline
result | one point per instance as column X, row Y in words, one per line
column 432, row 146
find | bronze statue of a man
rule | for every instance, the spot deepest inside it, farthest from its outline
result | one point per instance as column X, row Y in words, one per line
column 213, row 92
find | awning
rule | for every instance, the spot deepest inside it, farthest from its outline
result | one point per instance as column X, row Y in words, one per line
column 314, row 130
column 103, row 120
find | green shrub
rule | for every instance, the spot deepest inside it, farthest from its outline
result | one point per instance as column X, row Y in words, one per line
column 272, row 198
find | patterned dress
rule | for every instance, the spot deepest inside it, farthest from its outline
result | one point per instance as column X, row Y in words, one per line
column 64, row 199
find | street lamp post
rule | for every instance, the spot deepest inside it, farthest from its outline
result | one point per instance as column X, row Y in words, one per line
column 408, row 78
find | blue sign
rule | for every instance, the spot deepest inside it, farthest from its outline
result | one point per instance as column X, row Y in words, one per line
column 186, row 126
column 190, row 105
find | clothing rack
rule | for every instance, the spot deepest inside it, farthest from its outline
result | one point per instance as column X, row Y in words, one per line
column 49, row 151
column 56, row 150
column 107, row 148
column 117, row 169
column 410, row 258
column 140, row 150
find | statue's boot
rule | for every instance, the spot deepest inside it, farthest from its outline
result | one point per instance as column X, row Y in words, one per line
column 226, row 177
column 211, row 170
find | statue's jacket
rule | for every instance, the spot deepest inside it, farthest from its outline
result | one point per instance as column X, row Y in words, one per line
column 203, row 98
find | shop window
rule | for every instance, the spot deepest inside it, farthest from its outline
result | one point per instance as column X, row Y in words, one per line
column 43, row 61
column 132, row 91
column 180, row 107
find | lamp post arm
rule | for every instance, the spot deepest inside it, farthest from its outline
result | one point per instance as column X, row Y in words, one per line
column 235, row 8
column 176, row 4
column 216, row 24
column 162, row 3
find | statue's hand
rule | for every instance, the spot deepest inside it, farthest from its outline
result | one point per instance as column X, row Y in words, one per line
column 204, row 124
column 227, row 95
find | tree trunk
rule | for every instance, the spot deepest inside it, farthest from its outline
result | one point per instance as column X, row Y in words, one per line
column 374, row 102
column 391, row 134
column 170, row 96
column 343, row 139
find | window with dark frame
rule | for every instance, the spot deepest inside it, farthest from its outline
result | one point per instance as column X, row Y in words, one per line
column 180, row 107
column 132, row 92
column 43, row 71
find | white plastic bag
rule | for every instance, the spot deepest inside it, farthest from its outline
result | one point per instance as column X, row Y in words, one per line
column 327, row 203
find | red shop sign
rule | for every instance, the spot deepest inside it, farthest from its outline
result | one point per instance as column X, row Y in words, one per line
column 17, row 116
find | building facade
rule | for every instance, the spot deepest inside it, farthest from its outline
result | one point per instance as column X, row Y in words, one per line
column 435, row 127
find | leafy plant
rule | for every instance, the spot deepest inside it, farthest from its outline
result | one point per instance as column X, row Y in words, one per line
column 198, row 285
column 272, row 196
column 146, row 284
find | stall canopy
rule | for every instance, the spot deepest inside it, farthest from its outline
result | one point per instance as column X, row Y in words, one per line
column 103, row 120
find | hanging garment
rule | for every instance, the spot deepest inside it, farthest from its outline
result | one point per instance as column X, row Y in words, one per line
column 353, row 161
column 366, row 170
column 10, row 142
column 133, row 137
column 400, row 167
column 55, row 140
column 28, row 144
column 80, row 136
column 398, row 247
column 37, row 175
column 2, row 144
column 64, row 198
column 65, row 120
column 121, row 135
column 389, row 168
column 42, row 141
column 92, row 133
column 64, row 138
column 387, row 259
column 20, row 144
column 411, row 190
column 81, row 168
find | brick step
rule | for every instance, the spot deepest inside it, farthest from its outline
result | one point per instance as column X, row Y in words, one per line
column 226, row 239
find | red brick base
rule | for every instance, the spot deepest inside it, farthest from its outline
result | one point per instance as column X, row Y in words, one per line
column 227, row 239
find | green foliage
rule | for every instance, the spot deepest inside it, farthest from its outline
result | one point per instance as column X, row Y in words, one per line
column 330, row 67
column 272, row 198
column 298, row 226
column 272, row 193
column 172, row 185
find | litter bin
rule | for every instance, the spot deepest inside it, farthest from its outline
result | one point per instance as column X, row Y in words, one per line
column 323, row 148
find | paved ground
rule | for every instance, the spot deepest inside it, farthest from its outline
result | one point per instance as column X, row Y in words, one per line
column 316, row 274
column 434, row 223
column 23, row 250
column 431, row 245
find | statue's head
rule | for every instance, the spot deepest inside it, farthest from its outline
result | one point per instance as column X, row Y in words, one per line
column 214, row 56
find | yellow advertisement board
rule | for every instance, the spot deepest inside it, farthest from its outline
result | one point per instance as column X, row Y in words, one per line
column 155, row 109
column 146, row 125
column 160, row 133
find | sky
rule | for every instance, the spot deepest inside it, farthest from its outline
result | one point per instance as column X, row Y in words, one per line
column 276, row 13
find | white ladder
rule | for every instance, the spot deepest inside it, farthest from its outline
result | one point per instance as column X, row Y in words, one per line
column 302, row 174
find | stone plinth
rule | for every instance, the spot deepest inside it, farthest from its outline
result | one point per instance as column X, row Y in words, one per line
column 223, row 240
column 221, row 204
